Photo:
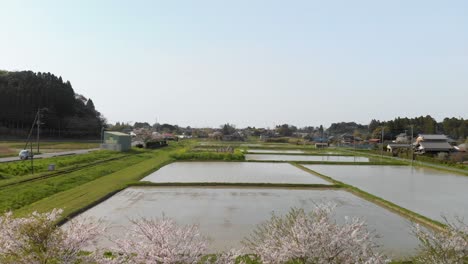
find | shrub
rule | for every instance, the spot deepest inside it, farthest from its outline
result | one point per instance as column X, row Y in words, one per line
column 159, row 241
column 449, row 247
column 208, row 155
column 299, row 237
column 36, row 239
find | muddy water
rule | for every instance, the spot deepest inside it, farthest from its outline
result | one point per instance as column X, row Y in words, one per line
column 306, row 158
column 426, row 191
column 227, row 215
column 233, row 172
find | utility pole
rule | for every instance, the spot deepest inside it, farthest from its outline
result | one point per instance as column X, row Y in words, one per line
column 38, row 127
column 381, row 150
column 411, row 145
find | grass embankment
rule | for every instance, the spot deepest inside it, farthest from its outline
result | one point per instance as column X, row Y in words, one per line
column 16, row 196
column 83, row 196
column 415, row 217
column 188, row 155
column 21, row 168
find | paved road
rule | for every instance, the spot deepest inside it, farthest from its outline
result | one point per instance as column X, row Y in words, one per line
column 50, row 155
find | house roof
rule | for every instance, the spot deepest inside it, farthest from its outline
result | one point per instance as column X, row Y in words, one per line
column 116, row 133
column 435, row 146
column 433, row 137
column 396, row 145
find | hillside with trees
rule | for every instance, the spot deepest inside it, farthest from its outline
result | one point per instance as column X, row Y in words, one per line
column 64, row 114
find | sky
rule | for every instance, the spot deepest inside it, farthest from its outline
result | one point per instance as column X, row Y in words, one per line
column 248, row 62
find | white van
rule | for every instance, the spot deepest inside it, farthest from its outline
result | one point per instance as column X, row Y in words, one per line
column 25, row 154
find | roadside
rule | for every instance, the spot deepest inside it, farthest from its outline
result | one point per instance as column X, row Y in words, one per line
column 50, row 155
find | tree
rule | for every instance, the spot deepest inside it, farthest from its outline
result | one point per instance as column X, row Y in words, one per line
column 160, row 241
column 90, row 105
column 228, row 129
column 141, row 125
column 37, row 240
column 285, row 130
column 446, row 247
column 23, row 93
column 313, row 238
column 377, row 133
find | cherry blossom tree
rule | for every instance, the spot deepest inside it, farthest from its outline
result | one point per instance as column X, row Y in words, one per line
column 313, row 238
column 159, row 241
column 449, row 247
column 37, row 239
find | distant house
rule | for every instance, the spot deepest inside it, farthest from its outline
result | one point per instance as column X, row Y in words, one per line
column 116, row 141
column 394, row 147
column 321, row 145
column 236, row 136
column 169, row 136
column 402, row 138
column 374, row 140
column 432, row 143
column 347, row 139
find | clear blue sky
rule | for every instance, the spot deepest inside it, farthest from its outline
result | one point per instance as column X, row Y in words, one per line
column 257, row 63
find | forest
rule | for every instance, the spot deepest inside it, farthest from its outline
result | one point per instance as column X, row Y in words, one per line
column 456, row 128
column 63, row 113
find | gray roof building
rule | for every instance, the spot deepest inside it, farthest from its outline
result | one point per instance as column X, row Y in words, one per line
column 432, row 143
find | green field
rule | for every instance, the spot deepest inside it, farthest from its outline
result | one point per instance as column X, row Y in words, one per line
column 12, row 148
column 79, row 181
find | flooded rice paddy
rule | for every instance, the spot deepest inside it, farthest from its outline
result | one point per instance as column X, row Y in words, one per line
column 227, row 215
column 233, row 172
column 306, row 158
column 429, row 192
column 275, row 151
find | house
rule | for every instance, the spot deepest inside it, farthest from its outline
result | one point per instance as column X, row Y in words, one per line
column 432, row 143
column 402, row 138
column 394, row 147
column 321, row 145
column 347, row 139
column 116, row 141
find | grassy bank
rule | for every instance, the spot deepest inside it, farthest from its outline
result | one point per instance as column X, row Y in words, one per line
column 186, row 154
column 22, row 194
column 21, row 168
column 80, row 198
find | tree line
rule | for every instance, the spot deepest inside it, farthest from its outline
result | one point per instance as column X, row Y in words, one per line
column 63, row 112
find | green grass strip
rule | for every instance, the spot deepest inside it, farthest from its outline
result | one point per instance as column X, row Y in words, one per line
column 84, row 196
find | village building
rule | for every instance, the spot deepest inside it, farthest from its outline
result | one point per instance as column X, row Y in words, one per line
column 432, row 143
column 116, row 141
